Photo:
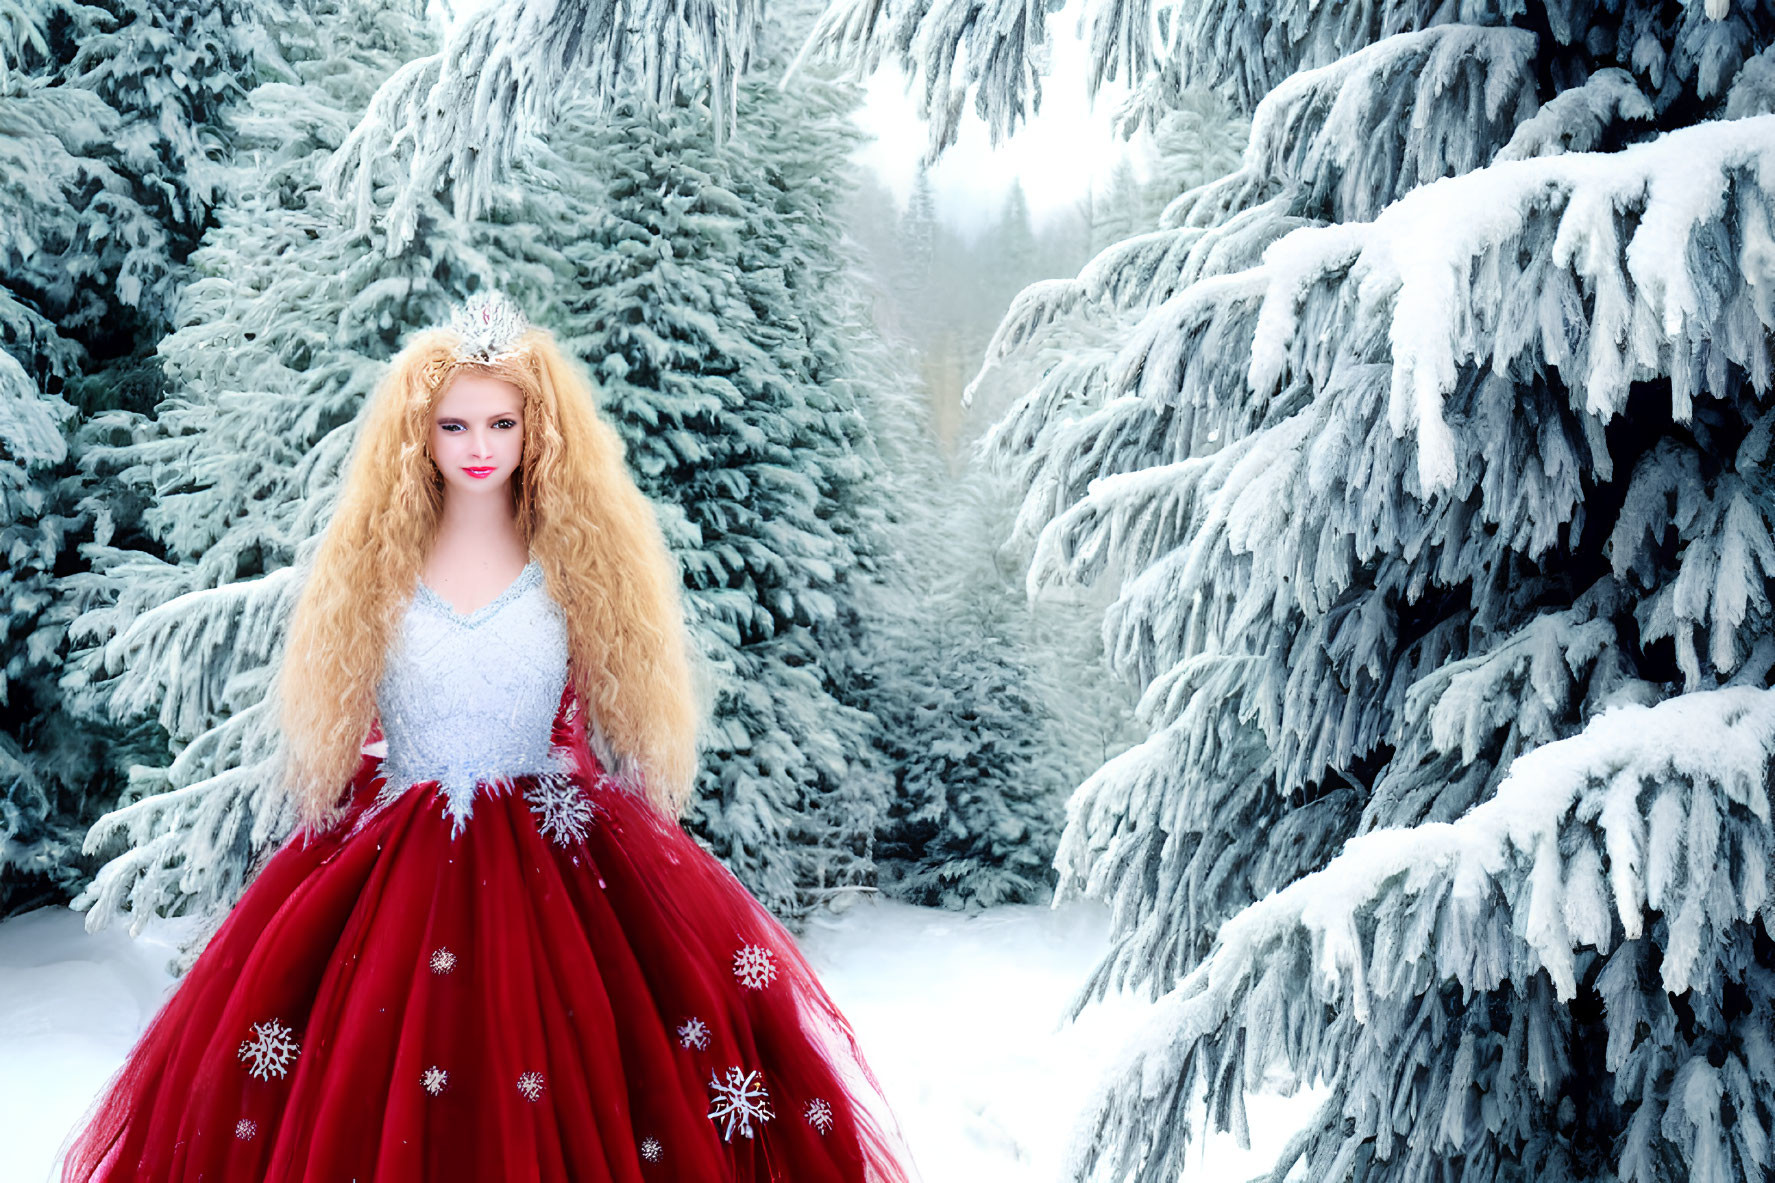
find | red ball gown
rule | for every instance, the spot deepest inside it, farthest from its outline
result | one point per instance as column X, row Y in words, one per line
column 501, row 966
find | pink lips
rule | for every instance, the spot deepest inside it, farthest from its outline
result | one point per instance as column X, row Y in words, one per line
column 479, row 473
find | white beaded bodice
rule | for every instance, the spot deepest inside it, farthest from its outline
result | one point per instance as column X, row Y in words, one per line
column 470, row 700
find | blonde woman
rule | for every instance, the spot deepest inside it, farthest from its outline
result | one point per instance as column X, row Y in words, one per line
column 489, row 952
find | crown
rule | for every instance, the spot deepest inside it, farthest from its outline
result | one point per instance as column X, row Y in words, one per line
column 489, row 325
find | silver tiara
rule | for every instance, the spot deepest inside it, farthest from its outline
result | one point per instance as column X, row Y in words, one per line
column 489, row 325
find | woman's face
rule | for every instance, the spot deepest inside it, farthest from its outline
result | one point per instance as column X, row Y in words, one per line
column 477, row 434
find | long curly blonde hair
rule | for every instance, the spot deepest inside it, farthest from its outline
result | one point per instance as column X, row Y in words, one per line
column 588, row 526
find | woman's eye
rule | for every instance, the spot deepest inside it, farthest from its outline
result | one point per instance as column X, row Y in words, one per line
column 449, row 427
column 507, row 423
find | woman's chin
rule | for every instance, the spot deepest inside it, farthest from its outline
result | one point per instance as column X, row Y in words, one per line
column 485, row 487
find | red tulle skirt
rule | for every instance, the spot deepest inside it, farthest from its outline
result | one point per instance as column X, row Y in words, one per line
column 571, row 988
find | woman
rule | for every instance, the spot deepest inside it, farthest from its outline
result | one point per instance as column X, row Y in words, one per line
column 489, row 952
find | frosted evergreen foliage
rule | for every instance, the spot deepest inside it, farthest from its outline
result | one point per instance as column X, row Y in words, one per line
column 457, row 118
column 981, row 740
column 990, row 709
column 240, row 465
column 1349, row 137
column 52, row 149
column 979, row 731
column 47, row 130
column 1199, row 139
column 109, row 150
column 1577, row 120
column 192, row 829
column 1301, row 628
column 1390, row 286
column 1411, row 448
column 994, row 49
column 1570, row 981
column 31, row 442
column 112, row 149
column 169, row 69
column 980, row 793
column 1753, row 90
column 1677, row 51
column 34, row 840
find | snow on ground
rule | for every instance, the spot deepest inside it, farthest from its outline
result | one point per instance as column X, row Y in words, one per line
column 70, row 1006
column 959, row 1015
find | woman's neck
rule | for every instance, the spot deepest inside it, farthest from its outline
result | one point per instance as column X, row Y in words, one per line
column 488, row 521
column 478, row 545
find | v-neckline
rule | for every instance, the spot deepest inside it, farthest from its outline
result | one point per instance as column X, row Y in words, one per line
column 437, row 599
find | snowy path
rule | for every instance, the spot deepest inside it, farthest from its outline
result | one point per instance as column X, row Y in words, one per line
column 959, row 1016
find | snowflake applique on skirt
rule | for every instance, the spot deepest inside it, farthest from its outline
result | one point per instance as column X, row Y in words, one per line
column 571, row 989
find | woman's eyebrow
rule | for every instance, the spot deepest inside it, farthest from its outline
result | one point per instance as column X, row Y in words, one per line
column 490, row 418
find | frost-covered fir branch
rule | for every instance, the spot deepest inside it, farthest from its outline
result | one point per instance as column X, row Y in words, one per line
column 1339, row 143
column 1628, row 865
column 1223, row 43
column 1753, row 89
column 183, row 658
column 200, row 823
column 458, row 117
column 1621, row 225
column 1354, row 135
column 995, row 51
column 1580, row 119
column 998, row 48
column 32, row 842
column 1627, row 228
column 203, row 662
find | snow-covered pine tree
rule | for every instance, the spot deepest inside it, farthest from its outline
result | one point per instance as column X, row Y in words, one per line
column 967, row 715
column 1429, row 450
column 279, row 339
column 709, row 303
column 111, row 137
column 965, row 724
column 647, row 314
column 1121, row 210
column 914, row 265
column 37, row 836
column 984, row 737
column 38, row 168
column 799, row 143
column 941, row 585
